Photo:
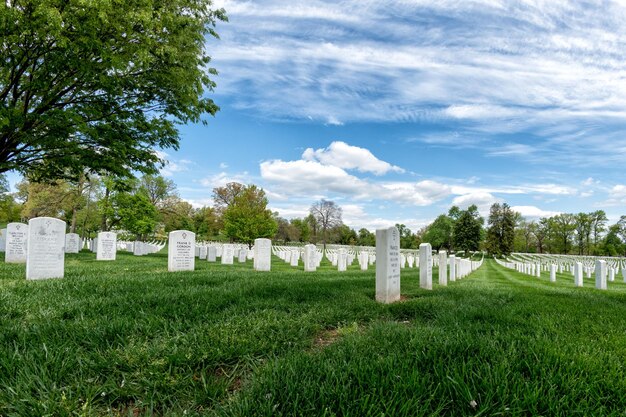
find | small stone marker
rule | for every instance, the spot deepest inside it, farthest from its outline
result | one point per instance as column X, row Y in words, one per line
column 211, row 254
column 228, row 254
column 426, row 268
column 578, row 274
column 387, row 265
column 611, row 274
column 72, row 243
column 310, row 258
column 46, row 248
column 262, row 254
column 552, row 273
column 16, row 243
column 443, row 268
column 107, row 246
column 601, row 275
column 3, row 239
column 203, row 252
column 243, row 254
column 181, row 251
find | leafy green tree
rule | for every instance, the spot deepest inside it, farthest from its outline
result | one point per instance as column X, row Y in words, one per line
column 247, row 218
column 365, row 238
column 564, row 225
column 136, row 214
column 613, row 245
column 303, row 231
column 98, row 85
column 345, row 235
column 9, row 208
column 598, row 226
column 501, row 231
column 208, row 223
column 468, row 230
column 439, row 233
column 583, row 226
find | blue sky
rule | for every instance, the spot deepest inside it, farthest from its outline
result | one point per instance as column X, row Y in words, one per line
column 397, row 110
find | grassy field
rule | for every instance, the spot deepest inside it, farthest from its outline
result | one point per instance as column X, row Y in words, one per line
column 129, row 338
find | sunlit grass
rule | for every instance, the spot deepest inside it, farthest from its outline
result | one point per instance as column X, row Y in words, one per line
column 129, row 338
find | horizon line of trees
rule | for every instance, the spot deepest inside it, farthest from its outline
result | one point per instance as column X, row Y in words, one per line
column 150, row 207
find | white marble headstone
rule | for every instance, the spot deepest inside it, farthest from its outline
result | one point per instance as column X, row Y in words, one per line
column 426, row 268
column 72, row 243
column 228, row 254
column 16, row 241
column 311, row 259
column 211, row 254
column 443, row 268
column 181, row 251
column 387, row 265
column 262, row 254
column 46, row 248
column 107, row 246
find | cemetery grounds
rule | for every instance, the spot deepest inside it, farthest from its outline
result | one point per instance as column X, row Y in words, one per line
column 128, row 338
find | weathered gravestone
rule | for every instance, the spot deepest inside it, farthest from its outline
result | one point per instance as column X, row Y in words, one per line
column 262, row 255
column 243, row 253
column 203, row 252
column 46, row 248
column 311, row 259
column 387, row 265
column 552, row 273
column 16, row 241
column 181, row 251
column 107, row 246
column 426, row 266
column 72, row 243
column 228, row 254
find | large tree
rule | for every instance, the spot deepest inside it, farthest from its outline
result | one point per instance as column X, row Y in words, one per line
column 248, row 218
column 439, row 232
column 327, row 215
column 501, row 231
column 468, row 230
column 97, row 85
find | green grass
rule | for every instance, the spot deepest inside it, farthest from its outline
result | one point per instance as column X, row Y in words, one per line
column 129, row 338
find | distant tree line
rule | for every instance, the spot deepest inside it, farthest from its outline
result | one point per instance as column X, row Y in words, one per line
column 149, row 207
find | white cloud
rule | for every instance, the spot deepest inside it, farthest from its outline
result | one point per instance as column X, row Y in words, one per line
column 342, row 155
column 172, row 166
column 223, row 178
column 482, row 200
column 616, row 196
column 534, row 212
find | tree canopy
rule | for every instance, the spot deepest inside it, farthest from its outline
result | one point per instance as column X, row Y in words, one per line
column 97, row 85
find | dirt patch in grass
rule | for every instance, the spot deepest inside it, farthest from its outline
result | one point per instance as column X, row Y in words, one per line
column 326, row 338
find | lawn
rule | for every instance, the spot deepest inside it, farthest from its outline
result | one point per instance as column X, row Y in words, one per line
column 129, row 338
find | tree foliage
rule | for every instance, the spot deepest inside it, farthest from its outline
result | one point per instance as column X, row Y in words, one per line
column 247, row 218
column 468, row 230
column 501, row 231
column 96, row 85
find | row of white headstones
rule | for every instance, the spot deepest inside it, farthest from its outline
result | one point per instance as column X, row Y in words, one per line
column 42, row 244
column 533, row 265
